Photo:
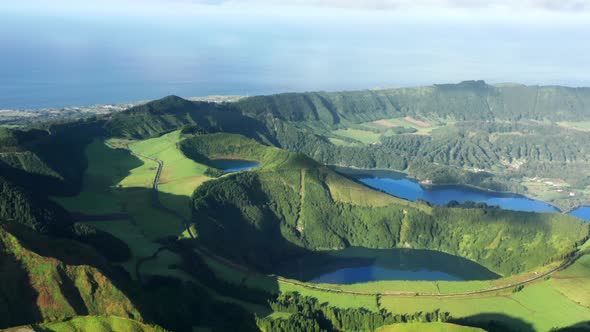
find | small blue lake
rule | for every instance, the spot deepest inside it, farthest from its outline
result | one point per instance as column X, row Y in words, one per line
column 233, row 165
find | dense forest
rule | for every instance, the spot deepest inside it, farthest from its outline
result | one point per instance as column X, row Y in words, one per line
column 309, row 315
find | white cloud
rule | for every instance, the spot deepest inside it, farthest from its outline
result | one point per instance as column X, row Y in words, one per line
column 547, row 5
column 551, row 5
column 524, row 11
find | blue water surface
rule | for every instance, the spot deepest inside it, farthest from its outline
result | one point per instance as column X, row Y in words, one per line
column 582, row 212
column 352, row 275
column 441, row 195
column 234, row 165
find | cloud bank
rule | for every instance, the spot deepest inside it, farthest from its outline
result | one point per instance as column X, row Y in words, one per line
column 549, row 5
column 569, row 6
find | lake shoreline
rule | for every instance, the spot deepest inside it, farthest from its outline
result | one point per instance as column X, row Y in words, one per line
column 404, row 175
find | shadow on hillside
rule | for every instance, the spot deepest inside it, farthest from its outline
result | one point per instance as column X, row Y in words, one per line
column 579, row 327
column 71, row 293
column 498, row 322
column 61, row 152
column 18, row 299
column 495, row 322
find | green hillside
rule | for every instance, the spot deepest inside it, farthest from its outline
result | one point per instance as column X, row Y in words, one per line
column 53, row 279
column 31, row 210
column 171, row 113
column 469, row 100
column 90, row 323
column 98, row 324
column 267, row 215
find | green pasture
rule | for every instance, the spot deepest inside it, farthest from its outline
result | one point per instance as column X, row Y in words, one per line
column 178, row 169
column 363, row 136
column 538, row 307
column 98, row 324
column 401, row 122
column 118, row 182
column 427, row 327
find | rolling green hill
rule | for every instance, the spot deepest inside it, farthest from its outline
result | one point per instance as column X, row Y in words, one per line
column 171, row 113
column 265, row 216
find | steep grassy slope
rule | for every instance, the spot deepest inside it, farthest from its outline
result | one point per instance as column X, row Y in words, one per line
column 47, row 279
column 264, row 216
column 97, row 324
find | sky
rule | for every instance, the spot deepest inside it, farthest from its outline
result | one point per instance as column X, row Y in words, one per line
column 64, row 52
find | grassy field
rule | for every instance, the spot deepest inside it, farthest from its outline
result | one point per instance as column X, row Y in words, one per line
column 118, row 182
column 98, row 324
column 424, row 128
column 363, row 136
column 178, row 169
column 371, row 132
column 537, row 307
column 341, row 142
column 427, row 327
column 574, row 282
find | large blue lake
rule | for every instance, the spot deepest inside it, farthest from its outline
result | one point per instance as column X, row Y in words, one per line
column 358, row 274
column 356, row 265
column 399, row 185
column 441, row 195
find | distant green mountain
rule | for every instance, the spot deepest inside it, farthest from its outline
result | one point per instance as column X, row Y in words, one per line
column 469, row 100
